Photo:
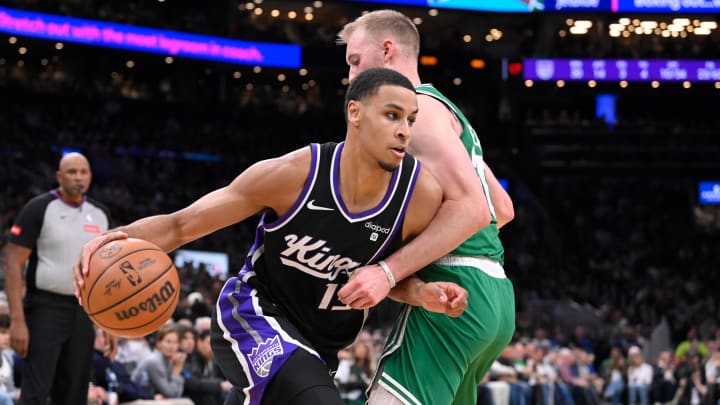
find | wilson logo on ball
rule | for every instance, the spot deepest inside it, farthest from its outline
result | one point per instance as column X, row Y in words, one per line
column 151, row 304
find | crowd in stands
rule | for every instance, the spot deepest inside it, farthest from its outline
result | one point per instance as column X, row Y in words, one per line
column 175, row 366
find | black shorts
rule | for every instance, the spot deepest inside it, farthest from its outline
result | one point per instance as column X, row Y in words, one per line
column 264, row 356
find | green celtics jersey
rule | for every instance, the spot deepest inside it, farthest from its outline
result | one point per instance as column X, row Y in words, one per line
column 486, row 241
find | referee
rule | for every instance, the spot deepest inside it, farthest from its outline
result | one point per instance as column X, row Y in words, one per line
column 48, row 328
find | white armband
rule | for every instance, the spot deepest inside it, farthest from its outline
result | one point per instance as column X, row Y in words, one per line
column 388, row 273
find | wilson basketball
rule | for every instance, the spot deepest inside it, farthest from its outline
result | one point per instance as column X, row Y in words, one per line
column 131, row 289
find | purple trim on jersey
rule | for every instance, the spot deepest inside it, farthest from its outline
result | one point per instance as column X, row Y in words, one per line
column 401, row 215
column 335, row 174
column 314, row 159
column 260, row 345
column 259, row 241
column 64, row 201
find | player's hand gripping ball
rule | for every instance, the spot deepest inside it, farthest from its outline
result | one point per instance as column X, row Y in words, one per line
column 131, row 289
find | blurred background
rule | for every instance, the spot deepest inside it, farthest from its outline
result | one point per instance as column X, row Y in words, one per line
column 601, row 117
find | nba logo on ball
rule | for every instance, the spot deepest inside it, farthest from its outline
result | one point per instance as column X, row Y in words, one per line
column 132, row 288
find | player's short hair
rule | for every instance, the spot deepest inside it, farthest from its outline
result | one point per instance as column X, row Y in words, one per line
column 368, row 82
column 4, row 321
column 381, row 24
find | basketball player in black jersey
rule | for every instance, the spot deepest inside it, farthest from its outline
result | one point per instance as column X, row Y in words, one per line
column 326, row 210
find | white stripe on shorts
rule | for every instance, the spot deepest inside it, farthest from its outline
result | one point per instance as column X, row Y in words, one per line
column 488, row 266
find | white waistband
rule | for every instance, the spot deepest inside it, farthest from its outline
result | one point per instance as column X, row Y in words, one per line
column 488, row 266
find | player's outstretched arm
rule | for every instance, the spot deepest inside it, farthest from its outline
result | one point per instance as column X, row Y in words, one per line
column 439, row 296
column 274, row 183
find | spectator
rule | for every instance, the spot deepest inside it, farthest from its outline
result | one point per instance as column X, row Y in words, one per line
column 202, row 323
column 613, row 372
column 131, row 351
column 109, row 373
column 358, row 368
column 506, row 370
column 581, row 339
column 587, row 377
column 662, row 389
column 712, row 375
column 188, row 337
column 8, row 390
column 204, row 382
column 692, row 385
column 542, row 374
column 691, row 346
column 640, row 376
column 161, row 372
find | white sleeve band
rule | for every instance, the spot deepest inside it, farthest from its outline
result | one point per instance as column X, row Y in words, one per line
column 388, row 273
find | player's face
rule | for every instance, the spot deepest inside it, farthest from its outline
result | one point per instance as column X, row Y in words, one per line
column 363, row 52
column 384, row 124
column 74, row 177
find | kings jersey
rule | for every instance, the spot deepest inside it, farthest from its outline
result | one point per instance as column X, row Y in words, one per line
column 302, row 259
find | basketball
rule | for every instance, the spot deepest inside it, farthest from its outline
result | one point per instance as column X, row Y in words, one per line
column 132, row 288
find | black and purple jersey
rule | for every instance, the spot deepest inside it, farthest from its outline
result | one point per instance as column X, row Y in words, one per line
column 285, row 296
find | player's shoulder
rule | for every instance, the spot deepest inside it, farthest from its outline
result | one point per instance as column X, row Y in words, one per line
column 294, row 160
column 429, row 94
column 433, row 112
column 303, row 158
column 285, row 171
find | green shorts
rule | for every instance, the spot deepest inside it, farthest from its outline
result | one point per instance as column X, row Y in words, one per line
column 433, row 359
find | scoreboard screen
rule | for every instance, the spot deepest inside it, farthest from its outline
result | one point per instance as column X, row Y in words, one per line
column 643, row 70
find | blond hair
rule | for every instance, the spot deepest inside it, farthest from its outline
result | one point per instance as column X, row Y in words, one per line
column 381, row 24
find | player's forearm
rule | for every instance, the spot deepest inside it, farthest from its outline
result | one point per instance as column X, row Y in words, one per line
column 162, row 230
column 504, row 210
column 406, row 291
column 455, row 221
column 501, row 201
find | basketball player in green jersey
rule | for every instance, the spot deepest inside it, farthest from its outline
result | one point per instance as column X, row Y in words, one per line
column 432, row 359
